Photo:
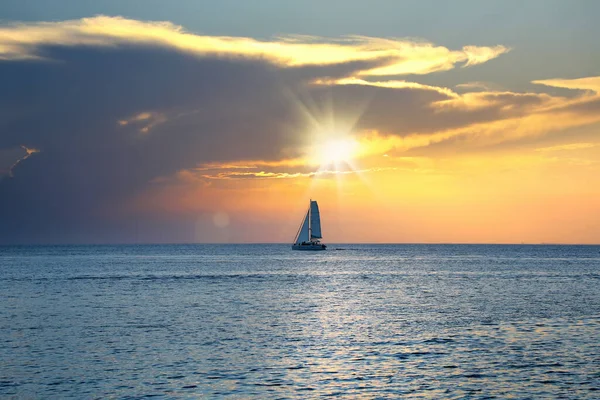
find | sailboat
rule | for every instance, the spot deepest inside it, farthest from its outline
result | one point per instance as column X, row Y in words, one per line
column 309, row 233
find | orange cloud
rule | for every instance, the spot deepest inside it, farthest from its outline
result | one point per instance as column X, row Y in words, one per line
column 591, row 84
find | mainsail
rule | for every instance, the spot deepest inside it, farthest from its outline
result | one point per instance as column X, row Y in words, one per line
column 315, row 221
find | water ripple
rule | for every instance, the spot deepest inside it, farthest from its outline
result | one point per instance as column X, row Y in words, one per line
column 259, row 322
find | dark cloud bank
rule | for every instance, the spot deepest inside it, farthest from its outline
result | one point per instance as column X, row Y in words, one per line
column 202, row 110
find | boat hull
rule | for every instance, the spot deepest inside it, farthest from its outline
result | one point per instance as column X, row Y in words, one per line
column 309, row 247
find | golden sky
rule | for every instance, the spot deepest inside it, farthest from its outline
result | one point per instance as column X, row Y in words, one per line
column 158, row 133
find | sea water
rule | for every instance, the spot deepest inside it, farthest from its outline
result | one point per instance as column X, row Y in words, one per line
column 263, row 321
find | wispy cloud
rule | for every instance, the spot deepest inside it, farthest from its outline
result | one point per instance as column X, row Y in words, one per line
column 288, row 175
column 591, row 83
column 478, row 86
column 145, row 121
column 478, row 55
column 391, row 84
column 28, row 153
column 283, row 169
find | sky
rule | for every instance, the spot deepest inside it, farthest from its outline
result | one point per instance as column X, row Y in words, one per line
column 206, row 122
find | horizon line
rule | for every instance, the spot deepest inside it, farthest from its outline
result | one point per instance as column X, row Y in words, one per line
column 286, row 243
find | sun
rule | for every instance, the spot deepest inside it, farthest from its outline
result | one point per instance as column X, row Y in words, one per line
column 335, row 153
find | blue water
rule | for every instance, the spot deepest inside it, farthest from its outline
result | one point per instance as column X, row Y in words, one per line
column 261, row 321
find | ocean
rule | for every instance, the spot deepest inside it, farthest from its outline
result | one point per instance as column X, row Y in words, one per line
column 262, row 321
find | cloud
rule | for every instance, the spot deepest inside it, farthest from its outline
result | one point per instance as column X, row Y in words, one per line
column 400, row 56
column 478, row 55
column 145, row 120
column 591, row 84
column 10, row 158
column 264, row 170
column 287, row 175
column 570, row 146
column 90, row 165
column 391, row 84
column 500, row 119
column 479, row 86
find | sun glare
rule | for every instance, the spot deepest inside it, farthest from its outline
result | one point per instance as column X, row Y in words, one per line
column 336, row 152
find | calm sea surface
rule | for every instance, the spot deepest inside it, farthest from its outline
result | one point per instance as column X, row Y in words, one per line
column 262, row 321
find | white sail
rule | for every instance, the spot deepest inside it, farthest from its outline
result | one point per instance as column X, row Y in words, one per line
column 302, row 235
column 315, row 221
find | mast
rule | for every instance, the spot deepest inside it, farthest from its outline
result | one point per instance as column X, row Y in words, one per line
column 309, row 217
column 298, row 233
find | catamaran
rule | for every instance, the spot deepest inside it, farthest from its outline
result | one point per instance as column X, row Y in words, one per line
column 309, row 233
